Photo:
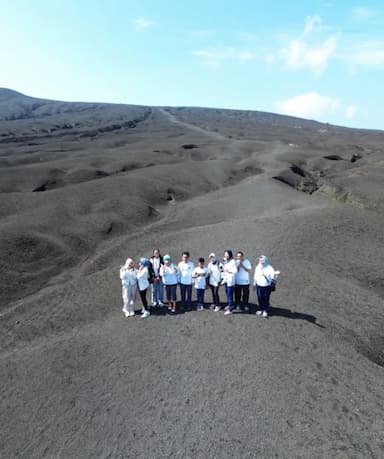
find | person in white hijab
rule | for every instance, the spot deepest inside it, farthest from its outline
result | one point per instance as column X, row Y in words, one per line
column 263, row 278
column 128, row 276
column 168, row 273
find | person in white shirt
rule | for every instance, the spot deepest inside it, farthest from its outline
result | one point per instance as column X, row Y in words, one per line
column 184, row 273
column 168, row 273
column 143, row 284
column 157, row 285
column 199, row 275
column 215, row 268
column 262, row 280
column 244, row 267
column 128, row 276
column 228, row 279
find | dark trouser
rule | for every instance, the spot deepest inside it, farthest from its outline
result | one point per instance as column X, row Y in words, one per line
column 143, row 296
column 242, row 294
column 263, row 294
column 200, row 295
column 229, row 293
column 186, row 295
column 171, row 292
column 215, row 294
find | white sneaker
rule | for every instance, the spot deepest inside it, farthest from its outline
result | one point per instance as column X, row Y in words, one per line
column 200, row 307
column 130, row 314
column 145, row 314
column 161, row 304
column 217, row 309
column 259, row 313
column 228, row 312
column 265, row 314
column 125, row 312
column 154, row 304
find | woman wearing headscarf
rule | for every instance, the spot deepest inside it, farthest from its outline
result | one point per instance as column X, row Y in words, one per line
column 128, row 276
column 143, row 283
column 262, row 280
column 168, row 273
column 228, row 279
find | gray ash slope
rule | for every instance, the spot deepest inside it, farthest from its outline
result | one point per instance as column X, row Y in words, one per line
column 84, row 185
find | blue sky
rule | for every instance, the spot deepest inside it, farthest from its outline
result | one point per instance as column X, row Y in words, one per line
column 321, row 60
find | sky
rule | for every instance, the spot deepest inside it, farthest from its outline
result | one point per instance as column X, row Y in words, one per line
column 321, row 60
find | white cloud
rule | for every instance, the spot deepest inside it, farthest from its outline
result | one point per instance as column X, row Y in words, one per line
column 311, row 22
column 299, row 55
column 305, row 51
column 247, row 36
column 363, row 13
column 202, row 33
column 365, row 54
column 350, row 111
column 215, row 56
column 245, row 56
column 308, row 105
column 141, row 24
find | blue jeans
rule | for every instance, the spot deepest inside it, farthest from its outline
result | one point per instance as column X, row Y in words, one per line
column 186, row 295
column 229, row 293
column 200, row 295
column 157, row 292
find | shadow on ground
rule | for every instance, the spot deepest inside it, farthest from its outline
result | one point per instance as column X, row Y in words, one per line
column 288, row 314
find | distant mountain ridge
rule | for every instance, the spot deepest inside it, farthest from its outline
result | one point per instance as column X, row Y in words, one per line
column 17, row 106
column 8, row 93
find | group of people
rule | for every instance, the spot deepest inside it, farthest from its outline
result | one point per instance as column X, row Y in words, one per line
column 161, row 274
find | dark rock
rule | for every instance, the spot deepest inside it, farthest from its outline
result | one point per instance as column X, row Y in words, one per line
column 355, row 157
column 333, row 157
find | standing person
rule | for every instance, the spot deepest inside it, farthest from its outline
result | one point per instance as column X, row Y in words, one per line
column 228, row 279
column 184, row 273
column 168, row 273
column 128, row 276
column 244, row 267
column 263, row 277
column 199, row 275
column 157, row 285
column 143, row 284
column 214, row 270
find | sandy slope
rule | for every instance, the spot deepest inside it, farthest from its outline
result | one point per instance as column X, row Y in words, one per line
column 79, row 380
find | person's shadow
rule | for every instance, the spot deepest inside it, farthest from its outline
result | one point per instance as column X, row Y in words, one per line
column 288, row 314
